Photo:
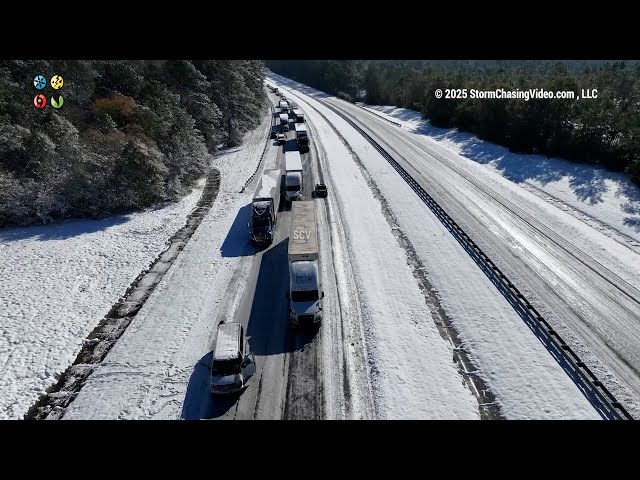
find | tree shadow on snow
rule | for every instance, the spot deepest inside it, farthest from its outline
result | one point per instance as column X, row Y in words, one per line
column 632, row 206
column 62, row 230
column 586, row 181
column 225, row 151
column 396, row 112
column 312, row 92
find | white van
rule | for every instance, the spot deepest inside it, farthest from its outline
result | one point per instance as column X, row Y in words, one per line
column 231, row 367
column 293, row 180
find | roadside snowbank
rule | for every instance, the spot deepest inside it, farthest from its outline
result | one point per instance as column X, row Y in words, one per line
column 58, row 281
column 147, row 372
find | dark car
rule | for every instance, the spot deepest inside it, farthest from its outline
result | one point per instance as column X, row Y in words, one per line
column 321, row 190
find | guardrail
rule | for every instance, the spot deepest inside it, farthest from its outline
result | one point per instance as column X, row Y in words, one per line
column 264, row 151
column 378, row 115
column 596, row 393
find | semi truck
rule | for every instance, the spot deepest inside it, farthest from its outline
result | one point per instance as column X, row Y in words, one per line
column 284, row 122
column 305, row 292
column 293, row 175
column 284, row 106
column 264, row 208
column 302, row 137
column 298, row 115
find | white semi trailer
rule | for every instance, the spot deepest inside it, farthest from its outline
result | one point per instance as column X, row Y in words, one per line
column 298, row 115
column 293, row 180
column 305, row 292
column 284, row 122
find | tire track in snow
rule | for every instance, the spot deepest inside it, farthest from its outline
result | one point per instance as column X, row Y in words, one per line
column 488, row 409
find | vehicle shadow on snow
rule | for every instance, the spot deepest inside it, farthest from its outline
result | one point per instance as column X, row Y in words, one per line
column 237, row 243
column 199, row 403
column 268, row 332
column 290, row 145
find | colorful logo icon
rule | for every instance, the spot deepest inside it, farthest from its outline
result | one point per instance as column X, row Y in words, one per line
column 57, row 82
column 57, row 104
column 39, row 82
column 40, row 101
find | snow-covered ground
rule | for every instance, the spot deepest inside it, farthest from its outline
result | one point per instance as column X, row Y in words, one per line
column 526, row 380
column 58, row 281
column 608, row 201
column 147, row 372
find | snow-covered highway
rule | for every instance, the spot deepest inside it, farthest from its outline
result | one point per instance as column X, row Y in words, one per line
column 398, row 288
column 582, row 280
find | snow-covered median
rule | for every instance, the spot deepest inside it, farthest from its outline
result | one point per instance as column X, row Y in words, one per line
column 58, row 281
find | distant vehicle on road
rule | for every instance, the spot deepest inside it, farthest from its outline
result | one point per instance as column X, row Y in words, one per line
column 281, row 138
column 231, row 367
column 321, row 190
column 298, row 115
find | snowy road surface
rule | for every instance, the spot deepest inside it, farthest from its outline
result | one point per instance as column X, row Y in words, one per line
column 160, row 366
column 606, row 200
column 583, row 281
column 524, row 377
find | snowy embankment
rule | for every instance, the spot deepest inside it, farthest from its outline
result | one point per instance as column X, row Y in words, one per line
column 605, row 200
column 58, row 281
column 525, row 379
column 147, row 372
